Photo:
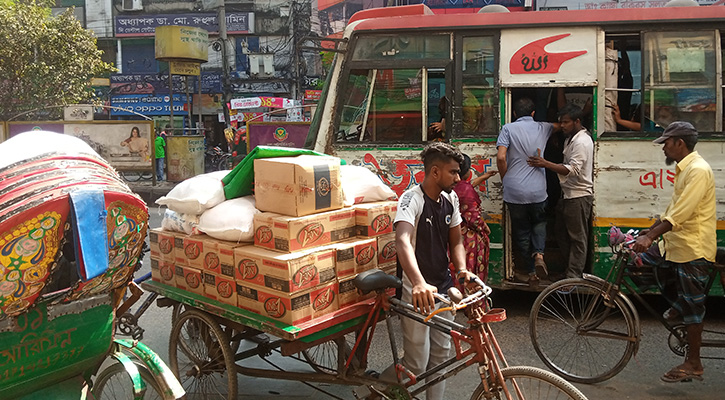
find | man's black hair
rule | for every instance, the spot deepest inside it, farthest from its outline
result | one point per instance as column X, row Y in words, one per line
column 572, row 110
column 439, row 152
column 690, row 142
column 523, row 107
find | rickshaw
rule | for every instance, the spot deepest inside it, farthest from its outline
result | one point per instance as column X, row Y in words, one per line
column 71, row 236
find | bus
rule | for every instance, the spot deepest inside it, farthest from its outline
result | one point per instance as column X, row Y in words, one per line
column 398, row 69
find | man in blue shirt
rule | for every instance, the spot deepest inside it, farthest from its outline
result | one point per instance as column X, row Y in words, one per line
column 524, row 186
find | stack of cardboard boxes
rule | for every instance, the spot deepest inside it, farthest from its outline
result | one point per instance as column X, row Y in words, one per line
column 307, row 247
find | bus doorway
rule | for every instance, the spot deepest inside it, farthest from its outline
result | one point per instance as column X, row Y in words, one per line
column 548, row 101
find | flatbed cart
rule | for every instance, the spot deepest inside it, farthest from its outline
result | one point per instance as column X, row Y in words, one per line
column 205, row 340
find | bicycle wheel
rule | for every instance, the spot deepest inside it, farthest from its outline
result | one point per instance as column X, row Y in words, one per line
column 114, row 383
column 323, row 357
column 225, row 162
column 577, row 335
column 179, row 308
column 530, row 383
column 130, row 176
column 205, row 363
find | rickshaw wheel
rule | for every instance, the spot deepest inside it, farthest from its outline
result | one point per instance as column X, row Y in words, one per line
column 323, row 357
column 179, row 308
column 201, row 358
column 114, row 382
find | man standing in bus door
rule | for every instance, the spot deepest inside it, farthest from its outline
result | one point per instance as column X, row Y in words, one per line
column 427, row 229
column 574, row 210
column 524, row 186
column 688, row 229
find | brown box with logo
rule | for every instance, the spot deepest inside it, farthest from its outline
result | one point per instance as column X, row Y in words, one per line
column 386, row 249
column 375, row 219
column 290, row 308
column 219, row 256
column 194, row 250
column 355, row 256
column 284, row 233
column 349, row 294
column 220, row 287
column 162, row 244
column 163, row 271
column 299, row 185
column 285, row 272
column 189, row 279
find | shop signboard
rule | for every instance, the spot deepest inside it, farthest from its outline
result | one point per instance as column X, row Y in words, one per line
column 145, row 25
column 147, row 104
column 284, row 134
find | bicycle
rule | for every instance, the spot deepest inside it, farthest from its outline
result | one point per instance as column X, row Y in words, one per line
column 217, row 160
column 474, row 343
column 586, row 329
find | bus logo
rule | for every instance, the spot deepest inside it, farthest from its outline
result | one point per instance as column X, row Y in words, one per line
column 274, row 307
column 532, row 58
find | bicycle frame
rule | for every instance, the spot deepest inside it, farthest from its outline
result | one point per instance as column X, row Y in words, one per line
column 482, row 345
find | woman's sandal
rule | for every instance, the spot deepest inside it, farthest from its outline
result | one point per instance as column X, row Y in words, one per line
column 681, row 375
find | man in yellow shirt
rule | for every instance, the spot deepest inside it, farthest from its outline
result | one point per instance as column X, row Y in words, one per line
column 688, row 229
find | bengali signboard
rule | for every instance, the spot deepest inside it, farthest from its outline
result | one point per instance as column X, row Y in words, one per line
column 255, row 102
column 283, row 134
column 185, row 68
column 148, row 104
column 181, row 43
column 145, row 25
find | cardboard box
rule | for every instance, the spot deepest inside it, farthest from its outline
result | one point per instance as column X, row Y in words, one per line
column 349, row 294
column 284, row 233
column 163, row 271
column 225, row 254
column 386, row 249
column 189, row 279
column 375, row 219
column 162, row 244
column 220, row 287
column 289, row 308
column 389, row 268
column 194, row 250
column 285, row 272
column 355, row 256
column 299, row 185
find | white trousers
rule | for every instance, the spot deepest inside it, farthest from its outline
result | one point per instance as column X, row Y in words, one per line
column 423, row 347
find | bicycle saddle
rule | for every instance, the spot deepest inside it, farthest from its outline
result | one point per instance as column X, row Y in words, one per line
column 374, row 280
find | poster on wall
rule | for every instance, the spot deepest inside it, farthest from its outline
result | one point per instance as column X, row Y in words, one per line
column 126, row 146
column 285, row 134
column 15, row 128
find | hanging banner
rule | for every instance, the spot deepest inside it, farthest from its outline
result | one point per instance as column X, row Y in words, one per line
column 284, row 134
column 254, row 102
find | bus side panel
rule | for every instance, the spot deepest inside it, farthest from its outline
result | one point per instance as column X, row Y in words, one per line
column 633, row 185
column 401, row 169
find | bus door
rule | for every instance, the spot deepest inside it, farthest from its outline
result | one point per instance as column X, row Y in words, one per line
column 552, row 67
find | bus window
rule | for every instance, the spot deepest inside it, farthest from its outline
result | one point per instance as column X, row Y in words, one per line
column 478, row 97
column 623, row 94
column 383, row 105
column 681, row 79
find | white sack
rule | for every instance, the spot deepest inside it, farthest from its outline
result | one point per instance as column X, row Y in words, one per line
column 360, row 185
column 182, row 223
column 232, row 220
column 196, row 195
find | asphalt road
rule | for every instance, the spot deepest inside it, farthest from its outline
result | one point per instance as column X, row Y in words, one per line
column 639, row 380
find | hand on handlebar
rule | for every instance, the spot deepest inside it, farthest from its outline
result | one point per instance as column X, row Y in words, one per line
column 423, row 300
column 469, row 278
column 642, row 243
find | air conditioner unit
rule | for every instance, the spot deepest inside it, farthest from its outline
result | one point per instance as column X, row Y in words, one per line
column 132, row 5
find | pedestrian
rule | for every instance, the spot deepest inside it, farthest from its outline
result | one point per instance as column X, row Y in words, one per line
column 574, row 209
column 524, row 187
column 160, row 144
column 688, row 229
column 427, row 229
column 474, row 230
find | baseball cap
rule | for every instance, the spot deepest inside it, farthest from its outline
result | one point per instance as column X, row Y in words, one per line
column 676, row 129
column 465, row 166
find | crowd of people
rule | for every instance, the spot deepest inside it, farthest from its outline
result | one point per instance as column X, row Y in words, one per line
column 442, row 236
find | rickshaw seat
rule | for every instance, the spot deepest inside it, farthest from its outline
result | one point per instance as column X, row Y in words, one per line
column 375, row 279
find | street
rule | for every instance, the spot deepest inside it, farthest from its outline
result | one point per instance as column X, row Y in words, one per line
column 639, row 380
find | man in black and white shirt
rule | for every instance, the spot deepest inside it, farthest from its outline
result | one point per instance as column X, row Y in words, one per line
column 574, row 210
column 427, row 228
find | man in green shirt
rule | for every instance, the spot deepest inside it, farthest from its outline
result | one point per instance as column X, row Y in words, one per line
column 160, row 144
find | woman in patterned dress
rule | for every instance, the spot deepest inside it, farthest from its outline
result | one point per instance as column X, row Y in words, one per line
column 474, row 229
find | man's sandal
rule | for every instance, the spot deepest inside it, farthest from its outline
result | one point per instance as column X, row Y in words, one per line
column 681, row 375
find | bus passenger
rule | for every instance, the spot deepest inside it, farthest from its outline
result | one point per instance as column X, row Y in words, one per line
column 524, row 186
column 474, row 230
column 574, row 210
column 427, row 229
column 688, row 229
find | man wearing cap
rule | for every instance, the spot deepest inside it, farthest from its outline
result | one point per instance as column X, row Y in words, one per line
column 688, row 229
